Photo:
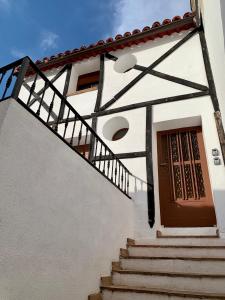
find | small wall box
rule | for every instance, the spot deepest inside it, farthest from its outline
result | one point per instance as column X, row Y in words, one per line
column 217, row 161
column 215, row 152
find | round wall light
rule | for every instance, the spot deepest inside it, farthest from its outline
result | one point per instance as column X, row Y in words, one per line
column 124, row 63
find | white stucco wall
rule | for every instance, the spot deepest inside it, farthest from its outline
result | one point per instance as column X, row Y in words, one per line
column 188, row 113
column 151, row 87
column 62, row 223
column 187, row 63
column 213, row 18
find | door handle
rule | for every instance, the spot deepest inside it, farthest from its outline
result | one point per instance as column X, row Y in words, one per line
column 163, row 165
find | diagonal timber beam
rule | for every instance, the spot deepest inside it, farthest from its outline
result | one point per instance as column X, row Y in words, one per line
column 149, row 68
column 38, row 98
column 175, row 79
column 165, row 76
column 52, row 81
column 101, row 82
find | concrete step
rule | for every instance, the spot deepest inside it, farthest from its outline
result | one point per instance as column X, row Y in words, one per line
column 182, row 264
column 182, row 241
column 112, row 292
column 177, row 251
column 174, row 281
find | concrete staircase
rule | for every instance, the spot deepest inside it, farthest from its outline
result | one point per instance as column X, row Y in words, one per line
column 167, row 268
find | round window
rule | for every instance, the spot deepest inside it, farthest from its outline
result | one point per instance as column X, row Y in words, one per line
column 124, row 63
column 115, row 128
column 119, row 134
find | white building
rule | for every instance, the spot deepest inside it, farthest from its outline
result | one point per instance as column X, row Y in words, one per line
column 123, row 138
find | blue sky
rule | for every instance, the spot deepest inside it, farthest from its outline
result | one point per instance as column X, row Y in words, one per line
column 40, row 28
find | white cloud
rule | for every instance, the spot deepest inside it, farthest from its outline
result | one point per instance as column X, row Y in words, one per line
column 17, row 53
column 5, row 4
column 130, row 14
column 48, row 40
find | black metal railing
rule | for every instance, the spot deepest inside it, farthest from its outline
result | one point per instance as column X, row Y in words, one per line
column 23, row 81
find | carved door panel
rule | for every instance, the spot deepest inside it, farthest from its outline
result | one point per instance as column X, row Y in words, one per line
column 184, row 186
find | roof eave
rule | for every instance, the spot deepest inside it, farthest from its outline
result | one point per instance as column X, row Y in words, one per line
column 175, row 26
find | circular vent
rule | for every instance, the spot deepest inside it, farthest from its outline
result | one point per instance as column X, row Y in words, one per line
column 115, row 128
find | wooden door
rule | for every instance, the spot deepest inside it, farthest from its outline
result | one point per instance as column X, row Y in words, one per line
column 83, row 149
column 184, row 186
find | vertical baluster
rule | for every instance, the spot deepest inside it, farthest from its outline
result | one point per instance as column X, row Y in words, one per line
column 112, row 172
column 74, row 126
column 32, row 89
column 119, row 178
column 108, row 166
column 86, row 135
column 42, row 98
column 66, row 123
column 8, row 83
column 122, row 178
column 51, row 107
column 80, row 133
column 104, row 160
column 125, row 182
column 86, row 154
column 116, row 172
column 128, row 183
column 58, row 119
column 100, row 157
column 2, row 76
column 95, row 152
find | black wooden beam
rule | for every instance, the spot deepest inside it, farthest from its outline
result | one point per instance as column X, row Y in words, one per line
column 52, row 81
column 175, row 79
column 65, row 91
column 165, row 76
column 152, row 66
column 208, row 69
column 44, row 104
column 149, row 168
column 141, row 105
column 101, row 82
column 92, row 139
column 122, row 156
column 220, row 130
column 151, row 102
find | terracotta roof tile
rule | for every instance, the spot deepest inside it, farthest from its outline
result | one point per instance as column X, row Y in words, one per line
column 111, row 43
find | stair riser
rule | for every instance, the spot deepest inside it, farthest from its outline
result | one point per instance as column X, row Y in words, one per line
column 170, row 265
column 183, row 242
column 190, row 284
column 177, row 252
column 108, row 295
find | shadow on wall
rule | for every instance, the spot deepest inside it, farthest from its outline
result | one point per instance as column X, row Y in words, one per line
column 219, row 201
column 139, row 196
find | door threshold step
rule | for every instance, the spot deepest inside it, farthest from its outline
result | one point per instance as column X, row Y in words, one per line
column 178, row 246
column 183, row 233
column 175, row 293
column 169, row 274
column 175, row 258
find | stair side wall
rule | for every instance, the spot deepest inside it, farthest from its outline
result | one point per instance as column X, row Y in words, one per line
column 62, row 223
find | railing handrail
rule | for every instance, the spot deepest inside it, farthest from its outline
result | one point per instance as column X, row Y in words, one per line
column 25, row 68
column 73, row 110
column 16, row 63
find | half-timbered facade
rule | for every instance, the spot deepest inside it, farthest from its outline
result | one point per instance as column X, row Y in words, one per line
column 154, row 89
column 146, row 110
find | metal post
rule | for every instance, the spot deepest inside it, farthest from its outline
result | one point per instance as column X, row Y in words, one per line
column 22, row 72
